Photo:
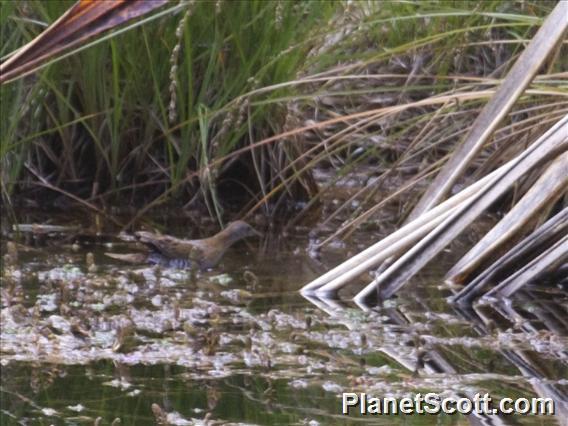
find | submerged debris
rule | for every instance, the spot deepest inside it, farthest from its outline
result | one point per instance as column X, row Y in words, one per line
column 214, row 329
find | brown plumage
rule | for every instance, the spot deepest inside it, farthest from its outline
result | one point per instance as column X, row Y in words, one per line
column 206, row 252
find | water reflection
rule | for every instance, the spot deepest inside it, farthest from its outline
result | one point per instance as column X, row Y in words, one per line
column 529, row 336
column 240, row 345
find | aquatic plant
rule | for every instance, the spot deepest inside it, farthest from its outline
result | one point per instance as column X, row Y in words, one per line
column 433, row 225
column 325, row 96
column 152, row 113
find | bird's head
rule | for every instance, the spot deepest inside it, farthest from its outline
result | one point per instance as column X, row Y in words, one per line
column 239, row 229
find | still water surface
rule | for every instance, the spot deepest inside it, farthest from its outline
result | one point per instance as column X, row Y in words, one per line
column 240, row 345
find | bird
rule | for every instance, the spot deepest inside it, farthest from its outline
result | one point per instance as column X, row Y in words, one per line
column 173, row 252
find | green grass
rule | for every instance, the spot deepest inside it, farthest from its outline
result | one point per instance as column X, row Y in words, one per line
column 130, row 121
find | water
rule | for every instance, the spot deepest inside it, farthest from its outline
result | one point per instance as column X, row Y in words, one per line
column 240, row 345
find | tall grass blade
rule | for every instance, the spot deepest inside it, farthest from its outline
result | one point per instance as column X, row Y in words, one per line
column 551, row 185
column 520, row 75
column 548, row 258
column 85, row 20
column 552, row 143
column 541, row 237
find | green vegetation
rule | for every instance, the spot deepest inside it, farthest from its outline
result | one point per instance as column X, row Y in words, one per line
column 226, row 109
column 248, row 97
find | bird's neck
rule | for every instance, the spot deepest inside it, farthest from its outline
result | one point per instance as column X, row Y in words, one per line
column 227, row 237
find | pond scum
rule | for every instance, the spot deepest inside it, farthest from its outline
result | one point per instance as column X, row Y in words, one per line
column 402, row 131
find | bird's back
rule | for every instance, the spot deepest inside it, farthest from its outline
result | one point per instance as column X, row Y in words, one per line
column 168, row 246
